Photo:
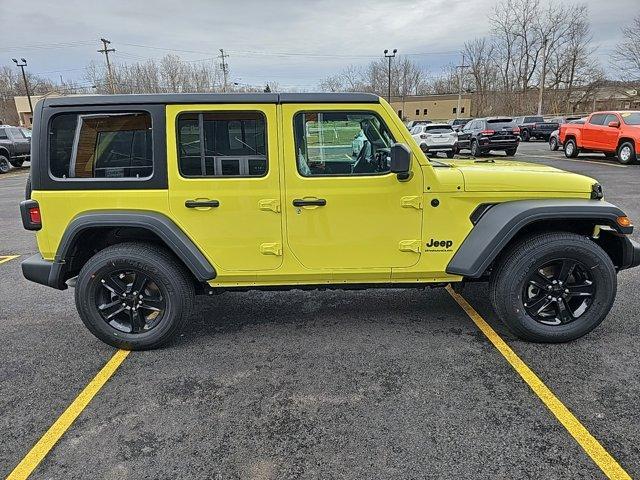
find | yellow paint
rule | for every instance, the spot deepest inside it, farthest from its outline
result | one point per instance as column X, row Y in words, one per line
column 373, row 229
column 40, row 450
column 609, row 466
column 6, row 258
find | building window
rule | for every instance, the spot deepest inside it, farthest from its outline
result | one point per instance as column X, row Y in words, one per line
column 454, row 110
column 400, row 113
column 424, row 112
column 417, row 112
column 222, row 144
column 461, row 109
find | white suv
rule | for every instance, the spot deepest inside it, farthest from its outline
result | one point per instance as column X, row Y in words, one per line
column 436, row 137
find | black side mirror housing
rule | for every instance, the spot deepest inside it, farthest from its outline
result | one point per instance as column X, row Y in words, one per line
column 401, row 161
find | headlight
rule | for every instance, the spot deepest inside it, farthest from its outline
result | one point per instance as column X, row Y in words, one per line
column 596, row 192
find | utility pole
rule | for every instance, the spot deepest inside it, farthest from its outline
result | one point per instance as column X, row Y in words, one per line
column 106, row 51
column 462, row 66
column 26, row 84
column 225, row 68
column 543, row 75
column 389, row 56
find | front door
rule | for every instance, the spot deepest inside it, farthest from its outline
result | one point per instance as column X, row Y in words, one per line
column 344, row 209
column 224, row 188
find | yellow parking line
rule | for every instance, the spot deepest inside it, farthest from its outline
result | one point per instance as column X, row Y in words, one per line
column 564, row 159
column 6, row 258
column 51, row 437
column 598, row 454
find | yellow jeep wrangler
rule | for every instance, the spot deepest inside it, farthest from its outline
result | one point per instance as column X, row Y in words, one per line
column 142, row 201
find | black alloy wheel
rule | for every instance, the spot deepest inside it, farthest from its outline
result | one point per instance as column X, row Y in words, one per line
column 5, row 166
column 559, row 292
column 130, row 301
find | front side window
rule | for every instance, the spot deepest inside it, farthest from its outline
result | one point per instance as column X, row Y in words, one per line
column 341, row 143
column 101, row 145
column 222, row 144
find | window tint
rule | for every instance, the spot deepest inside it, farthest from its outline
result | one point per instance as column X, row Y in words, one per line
column 610, row 118
column 499, row 123
column 533, row 119
column 341, row 143
column 3, row 134
column 16, row 133
column 597, row 119
column 222, row 144
column 109, row 145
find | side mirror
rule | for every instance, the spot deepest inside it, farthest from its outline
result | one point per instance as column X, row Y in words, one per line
column 614, row 124
column 401, row 160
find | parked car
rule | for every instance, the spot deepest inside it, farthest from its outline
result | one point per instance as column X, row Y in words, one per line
column 138, row 219
column 554, row 140
column 612, row 133
column 458, row 123
column 483, row 135
column 15, row 148
column 436, row 137
column 534, row 127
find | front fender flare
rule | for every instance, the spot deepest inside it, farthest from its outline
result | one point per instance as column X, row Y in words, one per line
column 500, row 223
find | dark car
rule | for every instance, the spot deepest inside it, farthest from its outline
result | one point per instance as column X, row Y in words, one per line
column 15, row 147
column 458, row 123
column 483, row 135
column 535, row 127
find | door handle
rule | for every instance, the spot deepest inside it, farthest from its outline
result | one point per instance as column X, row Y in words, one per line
column 201, row 203
column 315, row 202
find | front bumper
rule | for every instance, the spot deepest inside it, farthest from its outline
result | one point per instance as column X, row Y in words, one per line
column 44, row 272
column 630, row 254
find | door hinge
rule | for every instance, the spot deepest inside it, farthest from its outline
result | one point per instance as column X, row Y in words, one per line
column 414, row 201
column 269, row 204
column 271, row 249
column 409, row 246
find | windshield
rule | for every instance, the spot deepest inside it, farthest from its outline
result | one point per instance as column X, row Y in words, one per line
column 631, row 118
column 460, row 121
column 26, row 132
column 438, row 129
column 500, row 123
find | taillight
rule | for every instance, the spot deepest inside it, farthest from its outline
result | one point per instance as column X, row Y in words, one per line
column 516, row 130
column 30, row 213
column 487, row 132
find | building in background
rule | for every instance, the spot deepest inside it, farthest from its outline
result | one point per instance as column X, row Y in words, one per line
column 431, row 107
column 22, row 107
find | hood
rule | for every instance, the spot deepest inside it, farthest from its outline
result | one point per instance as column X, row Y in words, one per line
column 512, row 176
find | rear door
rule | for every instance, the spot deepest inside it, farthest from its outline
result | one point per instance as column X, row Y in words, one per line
column 224, row 187
column 593, row 131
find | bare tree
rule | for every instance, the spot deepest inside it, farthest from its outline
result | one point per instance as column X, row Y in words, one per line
column 626, row 56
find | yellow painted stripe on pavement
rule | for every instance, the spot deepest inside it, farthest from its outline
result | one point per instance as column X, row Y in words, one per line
column 6, row 258
column 598, row 454
column 51, row 437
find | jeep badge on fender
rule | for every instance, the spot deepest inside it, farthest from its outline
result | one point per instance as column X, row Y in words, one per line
column 140, row 202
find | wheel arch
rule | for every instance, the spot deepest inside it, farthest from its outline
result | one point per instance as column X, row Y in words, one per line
column 4, row 151
column 501, row 225
column 91, row 232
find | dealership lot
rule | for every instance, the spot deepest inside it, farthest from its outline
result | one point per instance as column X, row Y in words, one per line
column 373, row 384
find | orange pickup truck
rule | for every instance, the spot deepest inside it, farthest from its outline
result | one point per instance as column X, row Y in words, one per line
column 612, row 133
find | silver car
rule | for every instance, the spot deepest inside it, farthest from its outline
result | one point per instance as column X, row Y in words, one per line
column 436, row 137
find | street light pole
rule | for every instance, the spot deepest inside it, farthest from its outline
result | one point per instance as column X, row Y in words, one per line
column 389, row 56
column 462, row 66
column 26, row 85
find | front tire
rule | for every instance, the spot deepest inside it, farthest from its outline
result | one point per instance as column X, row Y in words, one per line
column 134, row 296
column 553, row 144
column 626, row 153
column 526, row 136
column 553, row 287
column 475, row 149
column 510, row 152
column 450, row 153
column 571, row 149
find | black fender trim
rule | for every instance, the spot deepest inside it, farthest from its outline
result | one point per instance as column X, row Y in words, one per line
column 172, row 236
column 499, row 224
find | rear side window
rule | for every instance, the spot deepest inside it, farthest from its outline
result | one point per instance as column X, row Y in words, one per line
column 597, row 119
column 97, row 145
column 222, row 144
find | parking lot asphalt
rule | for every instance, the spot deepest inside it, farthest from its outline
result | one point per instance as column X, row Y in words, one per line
column 367, row 384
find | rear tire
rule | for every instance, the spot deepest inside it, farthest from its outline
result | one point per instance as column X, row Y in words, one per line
column 475, row 149
column 553, row 144
column 516, row 303
column 131, row 273
column 626, row 153
column 571, row 148
column 525, row 136
column 5, row 166
column 450, row 153
column 511, row 152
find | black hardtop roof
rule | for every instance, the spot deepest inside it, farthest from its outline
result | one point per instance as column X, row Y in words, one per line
column 205, row 98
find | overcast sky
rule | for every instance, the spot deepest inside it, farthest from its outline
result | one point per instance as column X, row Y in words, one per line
column 295, row 43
